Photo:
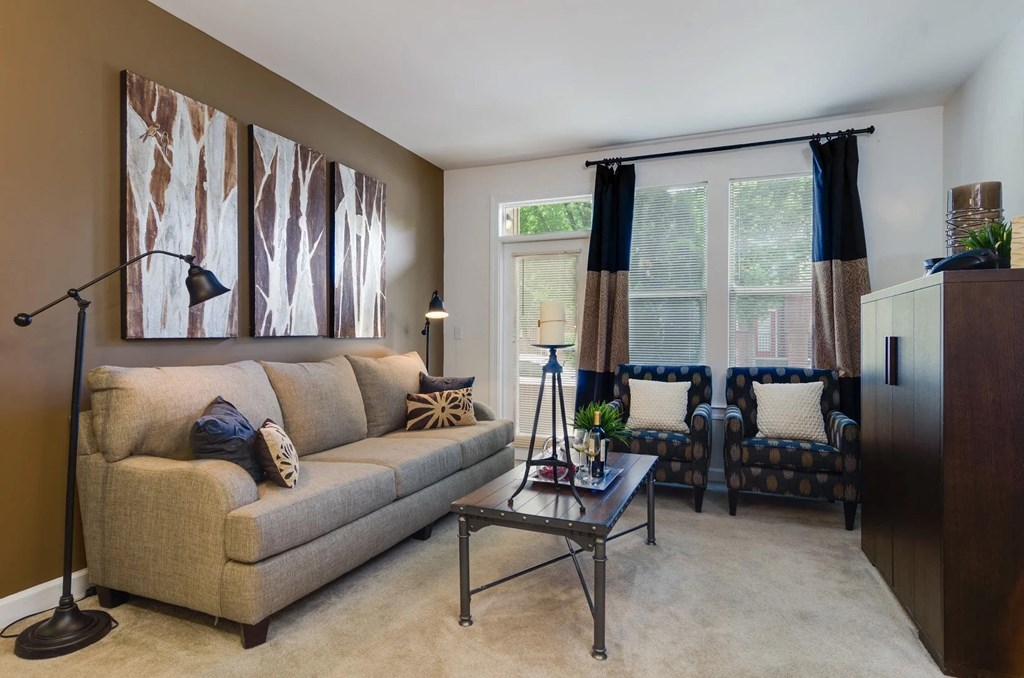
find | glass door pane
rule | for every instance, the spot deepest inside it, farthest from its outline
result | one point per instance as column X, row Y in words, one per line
column 542, row 277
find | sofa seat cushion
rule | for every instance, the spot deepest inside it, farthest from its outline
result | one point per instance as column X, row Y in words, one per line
column 664, row 444
column 799, row 455
column 477, row 442
column 415, row 463
column 326, row 497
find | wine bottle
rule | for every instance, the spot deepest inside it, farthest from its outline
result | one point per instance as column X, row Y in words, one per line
column 596, row 444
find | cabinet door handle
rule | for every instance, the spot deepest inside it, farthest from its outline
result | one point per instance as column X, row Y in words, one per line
column 892, row 361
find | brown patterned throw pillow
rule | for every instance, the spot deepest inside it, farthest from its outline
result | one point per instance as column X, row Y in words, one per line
column 277, row 454
column 439, row 410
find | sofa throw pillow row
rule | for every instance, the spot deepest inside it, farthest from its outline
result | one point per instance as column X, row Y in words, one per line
column 790, row 411
column 658, row 405
column 277, row 454
column 439, row 410
column 224, row 433
column 429, row 384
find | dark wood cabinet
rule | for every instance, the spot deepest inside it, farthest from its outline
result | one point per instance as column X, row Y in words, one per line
column 942, row 437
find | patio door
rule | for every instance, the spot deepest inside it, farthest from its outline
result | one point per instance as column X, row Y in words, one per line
column 536, row 272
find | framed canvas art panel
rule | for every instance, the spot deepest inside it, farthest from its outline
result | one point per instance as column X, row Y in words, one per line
column 288, row 198
column 179, row 181
column 360, row 224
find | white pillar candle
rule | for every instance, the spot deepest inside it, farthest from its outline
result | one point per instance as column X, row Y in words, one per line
column 552, row 323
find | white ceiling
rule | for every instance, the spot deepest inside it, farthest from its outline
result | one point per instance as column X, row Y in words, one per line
column 474, row 82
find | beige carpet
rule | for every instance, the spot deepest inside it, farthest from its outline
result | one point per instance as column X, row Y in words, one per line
column 780, row 590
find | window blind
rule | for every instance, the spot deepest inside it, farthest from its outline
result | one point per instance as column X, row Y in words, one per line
column 770, row 222
column 543, row 277
column 668, row 276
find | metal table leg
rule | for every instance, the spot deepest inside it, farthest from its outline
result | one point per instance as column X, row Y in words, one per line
column 650, row 508
column 465, row 618
column 599, row 651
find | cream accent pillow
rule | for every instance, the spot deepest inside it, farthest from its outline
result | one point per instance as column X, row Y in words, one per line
column 658, row 405
column 790, row 411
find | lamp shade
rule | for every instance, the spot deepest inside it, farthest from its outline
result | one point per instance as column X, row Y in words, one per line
column 436, row 307
column 202, row 285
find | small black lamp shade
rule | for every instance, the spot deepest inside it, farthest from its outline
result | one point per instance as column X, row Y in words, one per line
column 436, row 307
column 202, row 285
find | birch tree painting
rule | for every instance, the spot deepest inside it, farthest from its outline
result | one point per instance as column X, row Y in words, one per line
column 180, row 187
column 289, row 239
column 359, row 240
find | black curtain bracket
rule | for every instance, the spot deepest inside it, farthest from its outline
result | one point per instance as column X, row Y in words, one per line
column 817, row 136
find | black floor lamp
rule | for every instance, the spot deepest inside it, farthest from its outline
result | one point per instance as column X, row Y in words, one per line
column 70, row 628
column 434, row 310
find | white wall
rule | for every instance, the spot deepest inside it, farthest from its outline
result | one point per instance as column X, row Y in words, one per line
column 900, row 183
column 983, row 136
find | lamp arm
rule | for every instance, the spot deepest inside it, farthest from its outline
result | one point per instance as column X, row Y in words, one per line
column 23, row 319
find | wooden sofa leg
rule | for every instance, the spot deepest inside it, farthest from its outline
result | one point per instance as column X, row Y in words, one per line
column 734, row 496
column 255, row 634
column 698, row 499
column 111, row 597
column 423, row 534
column 850, row 508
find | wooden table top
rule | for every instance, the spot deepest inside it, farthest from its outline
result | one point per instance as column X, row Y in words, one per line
column 542, row 504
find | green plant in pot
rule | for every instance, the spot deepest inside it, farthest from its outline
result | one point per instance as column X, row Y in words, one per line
column 611, row 421
column 992, row 235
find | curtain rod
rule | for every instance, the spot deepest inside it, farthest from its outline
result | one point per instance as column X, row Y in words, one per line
column 733, row 147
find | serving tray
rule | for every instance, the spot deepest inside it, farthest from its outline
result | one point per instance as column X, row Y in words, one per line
column 594, row 484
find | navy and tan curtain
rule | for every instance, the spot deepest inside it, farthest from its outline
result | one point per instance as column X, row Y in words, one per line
column 840, row 266
column 604, row 338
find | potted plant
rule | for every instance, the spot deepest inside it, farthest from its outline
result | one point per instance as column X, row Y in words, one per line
column 992, row 235
column 611, row 421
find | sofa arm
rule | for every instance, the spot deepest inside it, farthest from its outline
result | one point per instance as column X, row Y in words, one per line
column 844, row 435
column 733, row 451
column 155, row 527
column 483, row 412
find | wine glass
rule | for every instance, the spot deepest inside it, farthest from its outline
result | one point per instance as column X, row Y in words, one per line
column 580, row 441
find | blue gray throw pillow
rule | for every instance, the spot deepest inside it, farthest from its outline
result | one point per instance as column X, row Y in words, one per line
column 224, row 433
column 429, row 384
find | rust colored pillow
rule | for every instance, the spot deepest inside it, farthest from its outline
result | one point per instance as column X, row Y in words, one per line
column 439, row 410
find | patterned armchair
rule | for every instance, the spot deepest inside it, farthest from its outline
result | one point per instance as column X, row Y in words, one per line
column 682, row 458
column 790, row 467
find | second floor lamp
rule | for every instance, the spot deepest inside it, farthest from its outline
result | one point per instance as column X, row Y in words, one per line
column 434, row 310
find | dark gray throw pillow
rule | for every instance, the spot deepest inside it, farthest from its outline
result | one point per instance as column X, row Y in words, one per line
column 224, row 433
column 429, row 384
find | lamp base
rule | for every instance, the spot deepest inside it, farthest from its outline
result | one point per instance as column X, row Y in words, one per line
column 68, row 630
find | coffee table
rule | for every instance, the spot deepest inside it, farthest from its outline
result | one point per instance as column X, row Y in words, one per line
column 547, row 509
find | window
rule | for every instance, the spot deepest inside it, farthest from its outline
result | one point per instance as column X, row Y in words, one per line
column 668, row 276
column 770, row 222
column 565, row 215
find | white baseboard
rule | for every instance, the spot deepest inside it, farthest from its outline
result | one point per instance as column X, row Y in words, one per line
column 41, row 597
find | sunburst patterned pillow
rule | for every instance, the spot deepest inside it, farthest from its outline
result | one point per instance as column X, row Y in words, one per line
column 277, row 454
column 439, row 410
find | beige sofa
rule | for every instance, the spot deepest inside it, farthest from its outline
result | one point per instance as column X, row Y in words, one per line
column 203, row 535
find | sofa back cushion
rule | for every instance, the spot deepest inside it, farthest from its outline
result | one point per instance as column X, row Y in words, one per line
column 384, row 383
column 321, row 403
column 150, row 410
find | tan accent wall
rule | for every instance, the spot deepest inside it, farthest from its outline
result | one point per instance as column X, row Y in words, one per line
column 59, row 208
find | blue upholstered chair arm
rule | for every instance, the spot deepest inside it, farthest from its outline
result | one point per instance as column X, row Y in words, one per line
column 733, row 440
column 700, row 438
column 844, row 434
column 616, row 404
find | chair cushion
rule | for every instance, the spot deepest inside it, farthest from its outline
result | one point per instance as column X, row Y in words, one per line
column 799, row 455
column 384, row 383
column 416, row 463
column 150, row 410
column 329, row 496
column 321, row 403
column 790, row 411
column 477, row 442
column 664, row 444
